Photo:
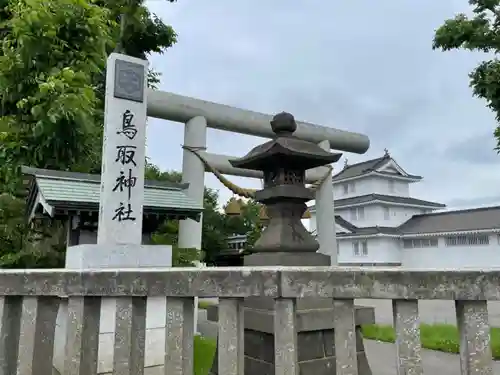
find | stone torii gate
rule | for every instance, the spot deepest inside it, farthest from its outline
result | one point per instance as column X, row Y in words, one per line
column 119, row 240
column 198, row 114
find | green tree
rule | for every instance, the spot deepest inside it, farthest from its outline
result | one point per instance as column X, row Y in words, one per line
column 139, row 34
column 248, row 222
column 49, row 107
column 480, row 32
column 214, row 230
column 52, row 69
column 49, row 53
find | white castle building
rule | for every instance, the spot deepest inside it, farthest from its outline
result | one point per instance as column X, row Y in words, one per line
column 379, row 223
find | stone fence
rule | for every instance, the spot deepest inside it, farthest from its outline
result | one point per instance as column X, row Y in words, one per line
column 30, row 299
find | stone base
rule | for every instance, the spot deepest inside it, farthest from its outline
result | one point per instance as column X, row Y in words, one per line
column 315, row 324
column 307, row 320
column 118, row 257
column 316, row 353
column 315, row 340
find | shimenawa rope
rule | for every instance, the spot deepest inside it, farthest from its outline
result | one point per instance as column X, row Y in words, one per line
column 242, row 192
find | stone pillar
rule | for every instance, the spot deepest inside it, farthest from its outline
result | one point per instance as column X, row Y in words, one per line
column 193, row 172
column 121, row 213
column 325, row 215
column 123, row 151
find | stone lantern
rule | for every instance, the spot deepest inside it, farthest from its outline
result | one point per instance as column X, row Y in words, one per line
column 286, row 242
column 284, row 161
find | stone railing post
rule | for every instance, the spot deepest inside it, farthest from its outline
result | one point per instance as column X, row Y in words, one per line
column 29, row 301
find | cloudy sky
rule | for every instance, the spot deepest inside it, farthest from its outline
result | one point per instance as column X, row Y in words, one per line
column 359, row 65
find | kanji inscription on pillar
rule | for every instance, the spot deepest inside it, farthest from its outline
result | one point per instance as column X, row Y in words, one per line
column 123, row 157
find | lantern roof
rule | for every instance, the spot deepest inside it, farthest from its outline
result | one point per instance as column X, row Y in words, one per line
column 285, row 150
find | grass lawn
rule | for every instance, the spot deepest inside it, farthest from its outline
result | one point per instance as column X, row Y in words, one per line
column 442, row 337
column 205, row 304
column 204, row 348
column 204, row 352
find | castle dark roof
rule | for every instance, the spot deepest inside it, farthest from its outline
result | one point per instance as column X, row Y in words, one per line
column 345, row 224
column 366, row 231
column 339, row 220
column 359, row 169
column 386, row 199
column 485, row 218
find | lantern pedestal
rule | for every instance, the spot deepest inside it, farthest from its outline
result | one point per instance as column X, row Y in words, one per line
column 315, row 326
column 285, row 234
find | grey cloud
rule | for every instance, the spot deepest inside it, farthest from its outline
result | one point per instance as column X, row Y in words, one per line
column 478, row 149
column 474, row 202
column 360, row 65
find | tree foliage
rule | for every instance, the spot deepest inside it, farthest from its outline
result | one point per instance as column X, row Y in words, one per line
column 217, row 226
column 52, row 70
column 49, row 107
column 52, row 81
column 480, row 32
column 248, row 222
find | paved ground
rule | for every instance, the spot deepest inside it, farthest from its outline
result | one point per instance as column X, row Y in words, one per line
column 382, row 359
column 382, row 356
column 430, row 311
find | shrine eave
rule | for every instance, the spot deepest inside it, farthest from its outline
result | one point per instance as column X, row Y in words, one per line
column 51, row 194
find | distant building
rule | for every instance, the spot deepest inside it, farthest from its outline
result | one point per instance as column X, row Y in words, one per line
column 233, row 255
column 237, row 242
column 378, row 223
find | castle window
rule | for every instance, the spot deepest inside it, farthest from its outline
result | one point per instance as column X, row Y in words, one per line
column 418, row 243
column 387, row 213
column 365, row 247
column 391, row 186
column 355, row 248
column 360, row 248
column 346, row 188
column 466, row 240
column 357, row 213
column 361, row 213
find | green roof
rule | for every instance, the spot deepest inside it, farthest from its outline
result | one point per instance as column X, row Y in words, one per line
column 66, row 190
